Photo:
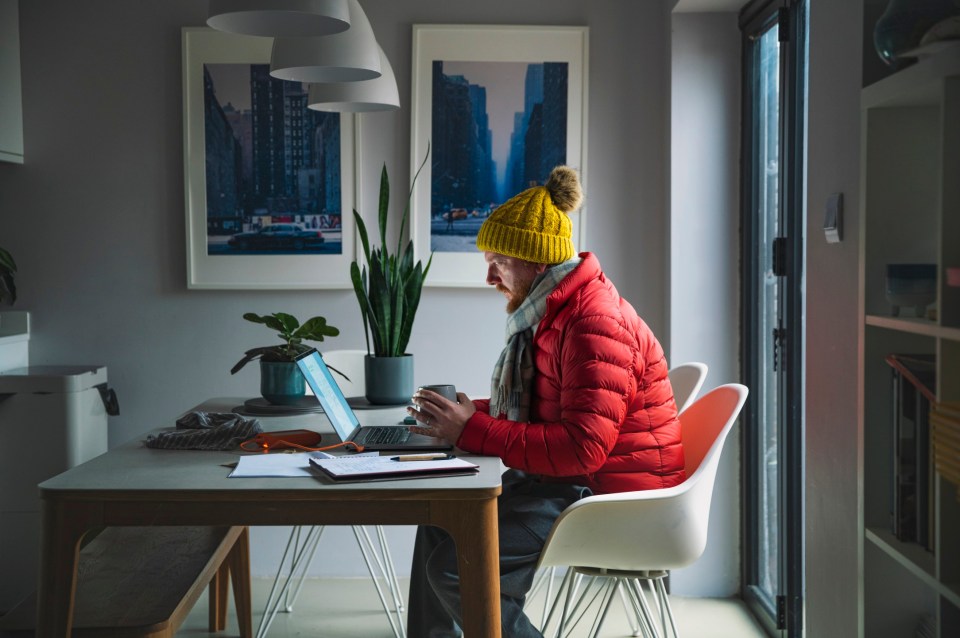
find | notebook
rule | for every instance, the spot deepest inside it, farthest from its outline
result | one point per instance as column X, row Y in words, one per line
column 370, row 468
column 344, row 420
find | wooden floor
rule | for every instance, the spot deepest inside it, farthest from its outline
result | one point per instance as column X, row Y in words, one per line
column 348, row 607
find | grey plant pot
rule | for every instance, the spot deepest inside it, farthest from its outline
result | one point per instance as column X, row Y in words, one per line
column 389, row 379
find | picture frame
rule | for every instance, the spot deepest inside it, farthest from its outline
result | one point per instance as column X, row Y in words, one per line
column 444, row 221
column 212, row 262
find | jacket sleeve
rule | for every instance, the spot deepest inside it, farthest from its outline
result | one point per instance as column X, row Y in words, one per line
column 589, row 377
column 482, row 405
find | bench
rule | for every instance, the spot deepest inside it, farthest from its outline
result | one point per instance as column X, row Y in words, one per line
column 143, row 581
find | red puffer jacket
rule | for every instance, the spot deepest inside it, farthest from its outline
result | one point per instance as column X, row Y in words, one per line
column 602, row 412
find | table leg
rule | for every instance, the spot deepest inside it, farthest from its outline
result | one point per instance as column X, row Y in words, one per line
column 64, row 525
column 473, row 526
column 240, row 577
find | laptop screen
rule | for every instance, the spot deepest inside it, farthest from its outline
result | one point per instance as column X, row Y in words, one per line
column 331, row 398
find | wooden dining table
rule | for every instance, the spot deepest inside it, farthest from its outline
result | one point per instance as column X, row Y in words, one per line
column 132, row 485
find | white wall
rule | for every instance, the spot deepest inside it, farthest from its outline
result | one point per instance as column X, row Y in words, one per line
column 95, row 216
column 705, row 251
column 833, row 542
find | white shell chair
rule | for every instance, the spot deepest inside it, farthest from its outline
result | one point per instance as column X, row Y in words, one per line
column 303, row 541
column 621, row 540
column 686, row 380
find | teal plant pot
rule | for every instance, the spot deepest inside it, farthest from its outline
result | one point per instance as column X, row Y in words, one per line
column 389, row 379
column 281, row 382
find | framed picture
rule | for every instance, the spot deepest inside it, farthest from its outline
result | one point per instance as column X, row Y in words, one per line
column 269, row 183
column 499, row 107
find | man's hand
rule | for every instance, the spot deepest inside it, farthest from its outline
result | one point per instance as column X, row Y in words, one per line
column 440, row 417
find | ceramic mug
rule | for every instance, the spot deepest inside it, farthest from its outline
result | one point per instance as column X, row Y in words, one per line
column 448, row 391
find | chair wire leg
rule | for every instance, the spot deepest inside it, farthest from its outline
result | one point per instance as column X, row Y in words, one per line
column 366, row 551
column 629, row 608
column 565, row 585
column 549, row 576
column 612, row 587
column 312, row 542
column 543, row 578
column 662, row 591
column 662, row 602
column 302, row 551
column 296, row 551
column 571, row 592
column 584, row 600
column 642, row 608
column 393, row 582
column 538, row 582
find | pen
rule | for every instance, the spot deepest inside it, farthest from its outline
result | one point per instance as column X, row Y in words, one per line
column 422, row 457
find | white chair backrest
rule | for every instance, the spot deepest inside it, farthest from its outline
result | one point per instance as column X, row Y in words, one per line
column 653, row 529
column 706, row 423
column 686, row 380
column 349, row 362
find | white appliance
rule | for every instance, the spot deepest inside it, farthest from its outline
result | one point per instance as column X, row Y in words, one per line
column 51, row 419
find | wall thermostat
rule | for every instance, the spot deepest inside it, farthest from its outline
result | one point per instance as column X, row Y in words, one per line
column 833, row 219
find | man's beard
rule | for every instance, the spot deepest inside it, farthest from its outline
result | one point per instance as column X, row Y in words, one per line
column 517, row 297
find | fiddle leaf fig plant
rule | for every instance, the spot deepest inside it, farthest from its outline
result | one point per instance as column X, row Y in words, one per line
column 8, row 268
column 389, row 292
column 292, row 333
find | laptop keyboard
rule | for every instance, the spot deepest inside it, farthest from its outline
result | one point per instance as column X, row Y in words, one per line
column 387, row 434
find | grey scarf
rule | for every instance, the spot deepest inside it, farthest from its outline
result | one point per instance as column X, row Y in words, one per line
column 511, row 384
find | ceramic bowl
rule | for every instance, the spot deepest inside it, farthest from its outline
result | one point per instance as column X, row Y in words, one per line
column 911, row 285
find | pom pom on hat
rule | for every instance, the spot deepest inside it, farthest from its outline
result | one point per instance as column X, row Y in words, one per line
column 564, row 188
column 534, row 224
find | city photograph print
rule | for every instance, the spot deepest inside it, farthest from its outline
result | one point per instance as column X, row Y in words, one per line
column 273, row 165
column 267, row 178
column 497, row 128
column 500, row 107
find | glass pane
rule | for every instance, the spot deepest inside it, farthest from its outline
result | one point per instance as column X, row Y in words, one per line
column 768, row 170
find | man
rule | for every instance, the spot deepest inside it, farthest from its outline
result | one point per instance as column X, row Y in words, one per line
column 580, row 403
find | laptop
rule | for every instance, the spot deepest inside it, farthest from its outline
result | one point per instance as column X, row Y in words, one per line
column 344, row 420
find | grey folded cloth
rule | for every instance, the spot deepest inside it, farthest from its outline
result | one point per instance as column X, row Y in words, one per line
column 206, row 431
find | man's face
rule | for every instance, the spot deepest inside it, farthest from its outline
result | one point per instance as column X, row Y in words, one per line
column 511, row 276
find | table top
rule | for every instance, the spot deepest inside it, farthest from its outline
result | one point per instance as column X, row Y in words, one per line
column 132, row 469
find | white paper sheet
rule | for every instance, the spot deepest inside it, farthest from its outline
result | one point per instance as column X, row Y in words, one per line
column 279, row 464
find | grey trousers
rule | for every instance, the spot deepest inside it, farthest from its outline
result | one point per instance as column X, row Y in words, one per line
column 527, row 510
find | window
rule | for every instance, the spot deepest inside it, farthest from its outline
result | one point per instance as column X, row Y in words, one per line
column 774, row 82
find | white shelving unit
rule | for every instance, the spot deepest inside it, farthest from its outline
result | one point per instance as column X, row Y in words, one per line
column 910, row 213
column 11, row 107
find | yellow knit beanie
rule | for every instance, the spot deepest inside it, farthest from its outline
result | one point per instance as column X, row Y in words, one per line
column 534, row 224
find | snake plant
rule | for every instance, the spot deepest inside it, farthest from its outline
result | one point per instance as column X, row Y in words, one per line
column 388, row 285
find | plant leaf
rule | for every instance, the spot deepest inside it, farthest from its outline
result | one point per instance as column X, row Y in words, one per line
column 288, row 323
column 6, row 261
column 359, row 288
column 364, row 240
column 253, row 353
column 384, row 203
column 412, row 290
column 406, row 208
column 315, row 329
column 380, row 315
column 8, row 289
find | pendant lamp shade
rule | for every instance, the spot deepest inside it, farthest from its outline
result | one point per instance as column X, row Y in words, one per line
column 378, row 94
column 350, row 56
column 276, row 18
